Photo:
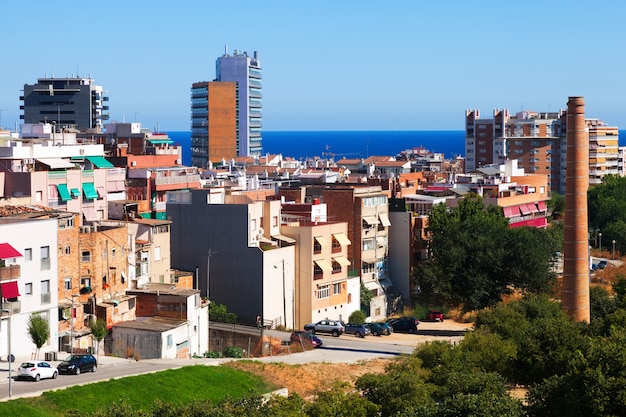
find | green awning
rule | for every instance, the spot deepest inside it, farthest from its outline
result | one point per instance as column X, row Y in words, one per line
column 90, row 191
column 160, row 141
column 75, row 192
column 100, row 162
column 64, row 192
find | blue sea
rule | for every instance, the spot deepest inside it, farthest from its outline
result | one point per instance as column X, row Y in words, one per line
column 351, row 144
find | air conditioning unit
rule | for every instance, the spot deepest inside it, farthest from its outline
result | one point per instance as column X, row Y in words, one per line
column 133, row 163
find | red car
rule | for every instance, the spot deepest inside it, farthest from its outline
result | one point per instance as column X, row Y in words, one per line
column 434, row 315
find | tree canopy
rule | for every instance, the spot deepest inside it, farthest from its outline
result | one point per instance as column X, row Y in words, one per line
column 38, row 330
column 607, row 210
column 475, row 257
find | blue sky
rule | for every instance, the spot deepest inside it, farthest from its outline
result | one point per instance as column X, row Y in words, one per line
column 327, row 65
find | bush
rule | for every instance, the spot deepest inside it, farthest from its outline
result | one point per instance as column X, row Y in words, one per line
column 212, row 355
column 357, row 317
column 233, row 352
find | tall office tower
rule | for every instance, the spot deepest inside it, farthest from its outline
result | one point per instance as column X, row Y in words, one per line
column 246, row 72
column 65, row 102
column 213, row 122
column 575, row 295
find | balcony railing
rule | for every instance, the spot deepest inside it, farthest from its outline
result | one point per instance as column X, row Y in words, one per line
column 45, row 298
column 9, row 272
column 16, row 306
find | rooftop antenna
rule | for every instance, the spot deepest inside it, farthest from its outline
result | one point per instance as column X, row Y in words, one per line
column 225, row 49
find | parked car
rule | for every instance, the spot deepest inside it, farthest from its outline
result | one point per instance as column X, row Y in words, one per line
column 75, row 364
column 359, row 330
column 407, row 324
column 603, row 264
column 434, row 315
column 377, row 329
column 387, row 326
column 305, row 337
column 334, row 327
column 37, row 370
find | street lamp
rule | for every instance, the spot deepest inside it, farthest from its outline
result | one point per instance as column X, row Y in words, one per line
column 600, row 237
column 613, row 256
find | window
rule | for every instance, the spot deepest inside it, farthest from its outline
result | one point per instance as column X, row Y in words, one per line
column 85, row 256
column 369, row 244
column 66, row 250
column 336, row 267
column 45, row 291
column 28, row 288
column 38, row 196
column 318, row 273
column 104, row 254
column 275, row 221
column 317, row 247
column 45, row 258
column 157, row 253
column 336, row 289
column 28, row 254
column 336, row 245
column 113, row 252
column 323, row 292
column 170, row 340
column 85, row 282
column 68, row 283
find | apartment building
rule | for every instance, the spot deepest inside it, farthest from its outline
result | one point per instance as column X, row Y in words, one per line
column 365, row 210
column 28, row 281
column 66, row 102
column 538, row 141
column 324, row 286
column 226, row 116
column 213, row 122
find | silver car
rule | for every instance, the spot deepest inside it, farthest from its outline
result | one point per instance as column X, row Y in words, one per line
column 334, row 327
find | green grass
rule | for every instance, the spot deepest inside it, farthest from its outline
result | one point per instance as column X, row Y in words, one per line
column 178, row 386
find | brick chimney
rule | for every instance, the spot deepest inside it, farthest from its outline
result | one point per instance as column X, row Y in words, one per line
column 575, row 296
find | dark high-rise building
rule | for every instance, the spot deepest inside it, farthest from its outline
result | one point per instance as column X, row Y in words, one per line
column 65, row 102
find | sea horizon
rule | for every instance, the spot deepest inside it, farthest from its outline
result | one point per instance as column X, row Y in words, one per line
column 352, row 143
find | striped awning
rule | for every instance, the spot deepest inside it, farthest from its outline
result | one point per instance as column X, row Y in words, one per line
column 524, row 209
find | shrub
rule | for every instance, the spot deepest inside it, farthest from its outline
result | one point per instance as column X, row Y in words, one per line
column 357, row 317
column 233, row 352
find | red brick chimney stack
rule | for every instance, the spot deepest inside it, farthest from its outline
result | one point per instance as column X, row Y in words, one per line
column 575, row 296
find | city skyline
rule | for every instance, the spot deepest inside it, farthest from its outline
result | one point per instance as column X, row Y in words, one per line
column 349, row 66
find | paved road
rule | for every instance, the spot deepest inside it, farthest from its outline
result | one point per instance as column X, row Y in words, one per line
column 344, row 349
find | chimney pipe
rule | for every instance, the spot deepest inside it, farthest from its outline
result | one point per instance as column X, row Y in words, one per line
column 576, row 256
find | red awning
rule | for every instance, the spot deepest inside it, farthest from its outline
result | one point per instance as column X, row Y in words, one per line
column 541, row 205
column 7, row 251
column 524, row 209
column 532, row 207
column 510, row 211
column 9, row 289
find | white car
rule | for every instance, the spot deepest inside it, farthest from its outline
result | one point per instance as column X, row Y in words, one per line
column 37, row 370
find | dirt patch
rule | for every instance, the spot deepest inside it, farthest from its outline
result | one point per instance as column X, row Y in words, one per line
column 307, row 379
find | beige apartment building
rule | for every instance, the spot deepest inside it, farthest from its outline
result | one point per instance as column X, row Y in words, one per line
column 323, row 286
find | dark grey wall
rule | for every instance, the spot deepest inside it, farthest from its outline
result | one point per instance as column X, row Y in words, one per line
column 236, row 271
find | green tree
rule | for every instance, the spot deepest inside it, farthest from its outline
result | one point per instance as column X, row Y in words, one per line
column 218, row 312
column 39, row 331
column 366, row 297
column 545, row 338
column 357, row 317
column 99, row 331
column 556, row 204
column 475, row 257
column 335, row 402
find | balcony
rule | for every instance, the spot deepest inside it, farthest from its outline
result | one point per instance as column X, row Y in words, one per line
column 15, row 306
column 9, row 272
